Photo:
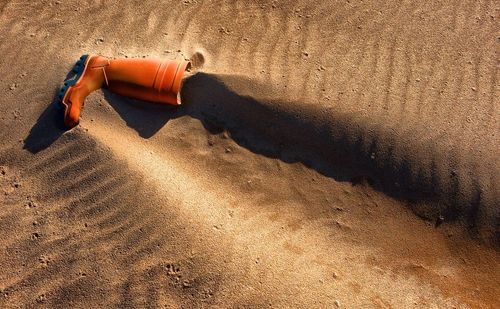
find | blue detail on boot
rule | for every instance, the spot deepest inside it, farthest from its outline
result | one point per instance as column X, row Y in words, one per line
column 77, row 70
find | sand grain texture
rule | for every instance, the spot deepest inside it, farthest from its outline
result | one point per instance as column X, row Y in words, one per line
column 328, row 154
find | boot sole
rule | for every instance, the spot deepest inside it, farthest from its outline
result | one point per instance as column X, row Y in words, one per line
column 78, row 70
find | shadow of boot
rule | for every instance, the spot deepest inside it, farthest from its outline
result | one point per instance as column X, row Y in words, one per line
column 144, row 117
column 47, row 129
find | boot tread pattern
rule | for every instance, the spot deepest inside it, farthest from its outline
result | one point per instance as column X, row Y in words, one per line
column 77, row 71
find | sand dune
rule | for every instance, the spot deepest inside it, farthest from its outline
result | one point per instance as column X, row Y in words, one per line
column 334, row 154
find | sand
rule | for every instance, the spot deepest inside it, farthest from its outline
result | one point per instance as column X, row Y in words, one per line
column 339, row 154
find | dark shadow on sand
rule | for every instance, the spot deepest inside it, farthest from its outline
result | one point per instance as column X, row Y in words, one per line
column 290, row 131
column 144, row 117
column 47, row 129
column 341, row 146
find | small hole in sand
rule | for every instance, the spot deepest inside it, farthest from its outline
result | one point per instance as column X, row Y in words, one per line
column 197, row 61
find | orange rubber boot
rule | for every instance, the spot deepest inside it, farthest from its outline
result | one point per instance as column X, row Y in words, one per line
column 145, row 79
column 136, row 78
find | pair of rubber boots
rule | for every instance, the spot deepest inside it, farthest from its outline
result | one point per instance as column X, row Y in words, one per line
column 146, row 79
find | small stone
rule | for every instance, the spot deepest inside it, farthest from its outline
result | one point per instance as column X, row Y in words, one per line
column 224, row 30
column 335, row 275
column 12, row 86
column 43, row 260
column 337, row 304
column 42, row 298
column 473, row 88
column 30, row 204
column 228, row 150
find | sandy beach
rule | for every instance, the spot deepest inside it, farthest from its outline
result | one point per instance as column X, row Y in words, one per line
column 327, row 154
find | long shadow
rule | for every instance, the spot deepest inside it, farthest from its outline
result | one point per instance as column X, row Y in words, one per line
column 328, row 142
column 346, row 147
column 292, row 131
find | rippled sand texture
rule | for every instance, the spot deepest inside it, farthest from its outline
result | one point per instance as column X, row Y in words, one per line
column 328, row 154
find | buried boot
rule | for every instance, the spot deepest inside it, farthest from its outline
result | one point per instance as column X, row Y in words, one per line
column 151, row 80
